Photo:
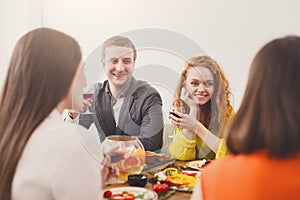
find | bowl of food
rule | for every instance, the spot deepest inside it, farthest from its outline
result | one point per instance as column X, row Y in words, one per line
column 137, row 180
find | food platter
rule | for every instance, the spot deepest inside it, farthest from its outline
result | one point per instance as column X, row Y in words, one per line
column 139, row 193
column 180, row 180
column 196, row 164
column 186, row 188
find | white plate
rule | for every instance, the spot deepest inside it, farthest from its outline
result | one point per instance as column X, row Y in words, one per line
column 196, row 164
column 148, row 194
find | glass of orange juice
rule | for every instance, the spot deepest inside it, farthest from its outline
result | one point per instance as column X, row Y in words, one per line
column 127, row 156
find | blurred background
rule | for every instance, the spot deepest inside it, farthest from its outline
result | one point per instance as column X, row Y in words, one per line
column 230, row 31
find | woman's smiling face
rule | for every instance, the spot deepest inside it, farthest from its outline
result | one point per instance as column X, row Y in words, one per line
column 200, row 84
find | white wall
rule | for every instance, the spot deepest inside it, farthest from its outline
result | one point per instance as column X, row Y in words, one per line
column 230, row 31
column 16, row 18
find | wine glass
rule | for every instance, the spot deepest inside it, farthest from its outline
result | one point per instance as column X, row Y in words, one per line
column 88, row 94
column 127, row 156
column 178, row 108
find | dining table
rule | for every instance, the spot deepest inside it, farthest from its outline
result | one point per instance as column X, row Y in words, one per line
column 178, row 195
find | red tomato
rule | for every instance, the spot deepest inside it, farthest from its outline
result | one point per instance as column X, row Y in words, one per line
column 160, row 187
column 156, row 187
column 107, row 194
column 164, row 187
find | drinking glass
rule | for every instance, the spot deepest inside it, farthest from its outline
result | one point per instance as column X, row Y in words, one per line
column 127, row 156
column 88, row 94
column 181, row 109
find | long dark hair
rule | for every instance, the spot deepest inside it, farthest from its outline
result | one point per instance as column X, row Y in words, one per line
column 269, row 114
column 41, row 70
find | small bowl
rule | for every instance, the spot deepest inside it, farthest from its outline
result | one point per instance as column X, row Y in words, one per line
column 137, row 180
column 150, row 156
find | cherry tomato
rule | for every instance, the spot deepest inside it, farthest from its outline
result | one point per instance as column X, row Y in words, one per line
column 107, row 194
column 160, row 187
column 156, row 187
column 164, row 187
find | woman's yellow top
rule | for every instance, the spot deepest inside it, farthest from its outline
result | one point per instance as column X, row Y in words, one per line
column 182, row 148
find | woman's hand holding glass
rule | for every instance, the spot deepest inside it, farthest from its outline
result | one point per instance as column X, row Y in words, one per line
column 184, row 121
column 188, row 123
column 175, row 116
column 126, row 154
column 106, row 171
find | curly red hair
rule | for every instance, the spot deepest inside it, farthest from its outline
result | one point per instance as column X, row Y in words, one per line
column 216, row 113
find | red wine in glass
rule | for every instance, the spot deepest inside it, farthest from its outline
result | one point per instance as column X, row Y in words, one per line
column 172, row 113
column 88, row 95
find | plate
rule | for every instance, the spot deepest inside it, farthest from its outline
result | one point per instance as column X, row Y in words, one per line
column 148, row 194
column 196, row 164
column 188, row 173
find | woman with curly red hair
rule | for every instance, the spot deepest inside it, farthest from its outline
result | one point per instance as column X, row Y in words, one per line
column 203, row 91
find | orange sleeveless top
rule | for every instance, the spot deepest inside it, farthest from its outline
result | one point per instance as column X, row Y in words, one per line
column 254, row 176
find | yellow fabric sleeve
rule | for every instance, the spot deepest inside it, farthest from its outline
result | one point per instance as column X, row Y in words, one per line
column 222, row 150
column 181, row 148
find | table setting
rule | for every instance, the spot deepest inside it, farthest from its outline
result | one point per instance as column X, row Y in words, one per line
column 145, row 174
